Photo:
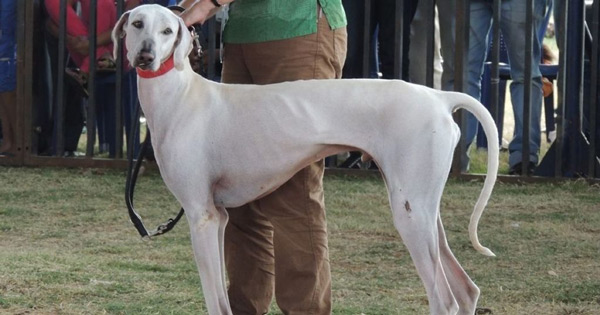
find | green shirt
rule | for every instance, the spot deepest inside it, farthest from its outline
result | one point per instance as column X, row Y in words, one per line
column 252, row 21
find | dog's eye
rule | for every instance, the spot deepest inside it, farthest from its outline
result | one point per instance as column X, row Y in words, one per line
column 138, row 24
column 167, row 31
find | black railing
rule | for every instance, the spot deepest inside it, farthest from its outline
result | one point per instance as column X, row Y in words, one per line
column 109, row 105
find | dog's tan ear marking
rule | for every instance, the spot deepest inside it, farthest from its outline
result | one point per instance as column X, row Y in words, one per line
column 183, row 45
column 118, row 32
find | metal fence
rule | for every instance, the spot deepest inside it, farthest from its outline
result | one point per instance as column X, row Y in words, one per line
column 56, row 117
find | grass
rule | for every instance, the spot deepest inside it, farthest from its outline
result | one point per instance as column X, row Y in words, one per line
column 67, row 247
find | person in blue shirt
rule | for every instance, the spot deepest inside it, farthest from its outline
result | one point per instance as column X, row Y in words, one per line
column 8, row 71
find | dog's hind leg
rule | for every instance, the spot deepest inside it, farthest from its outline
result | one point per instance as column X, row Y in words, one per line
column 464, row 289
column 415, row 220
column 415, row 174
column 206, row 229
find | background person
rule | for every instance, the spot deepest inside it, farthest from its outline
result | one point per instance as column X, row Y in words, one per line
column 77, row 34
column 8, row 73
column 512, row 26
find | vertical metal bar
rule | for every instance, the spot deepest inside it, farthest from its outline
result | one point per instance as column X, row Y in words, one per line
column 495, row 75
column 579, row 9
column 119, row 95
column 398, row 39
column 59, row 115
column 366, row 53
column 463, row 15
column 562, row 92
column 527, row 87
column 24, row 33
column 430, row 26
column 594, row 25
column 366, row 40
column 574, row 87
column 91, row 108
column 212, row 38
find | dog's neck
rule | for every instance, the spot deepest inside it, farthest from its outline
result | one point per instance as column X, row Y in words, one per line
column 165, row 67
column 160, row 95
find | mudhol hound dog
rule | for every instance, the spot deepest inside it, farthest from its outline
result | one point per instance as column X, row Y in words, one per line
column 222, row 145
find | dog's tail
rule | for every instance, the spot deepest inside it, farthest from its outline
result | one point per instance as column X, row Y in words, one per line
column 489, row 127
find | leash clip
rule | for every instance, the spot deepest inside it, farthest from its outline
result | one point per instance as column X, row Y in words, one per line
column 196, row 40
column 167, row 226
column 161, row 229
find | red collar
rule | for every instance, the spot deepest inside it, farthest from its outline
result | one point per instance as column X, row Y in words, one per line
column 164, row 68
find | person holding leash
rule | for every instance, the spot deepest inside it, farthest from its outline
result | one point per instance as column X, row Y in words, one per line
column 278, row 244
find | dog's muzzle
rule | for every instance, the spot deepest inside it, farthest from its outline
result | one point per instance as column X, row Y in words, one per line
column 144, row 60
column 146, row 56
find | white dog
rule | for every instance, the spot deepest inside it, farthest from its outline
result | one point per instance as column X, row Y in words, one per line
column 222, row 145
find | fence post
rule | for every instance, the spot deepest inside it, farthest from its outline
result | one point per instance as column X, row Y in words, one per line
column 23, row 93
column 430, row 47
column 119, row 93
column 527, row 88
column 593, row 96
column 366, row 40
column 91, row 108
column 463, row 15
column 398, row 39
column 495, row 72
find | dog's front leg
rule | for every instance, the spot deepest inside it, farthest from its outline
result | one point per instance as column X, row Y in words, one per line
column 207, row 229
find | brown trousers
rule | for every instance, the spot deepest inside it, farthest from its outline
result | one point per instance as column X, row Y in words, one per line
column 278, row 244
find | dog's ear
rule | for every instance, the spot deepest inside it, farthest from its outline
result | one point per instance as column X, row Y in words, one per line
column 183, row 45
column 118, row 32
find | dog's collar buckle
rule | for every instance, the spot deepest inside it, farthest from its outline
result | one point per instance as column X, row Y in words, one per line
column 164, row 68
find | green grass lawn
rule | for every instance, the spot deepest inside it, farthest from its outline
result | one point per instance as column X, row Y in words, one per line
column 67, row 247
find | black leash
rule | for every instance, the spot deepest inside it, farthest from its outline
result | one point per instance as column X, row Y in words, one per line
column 132, row 174
column 133, row 170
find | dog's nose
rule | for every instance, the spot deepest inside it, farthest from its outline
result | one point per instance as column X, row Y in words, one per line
column 144, row 58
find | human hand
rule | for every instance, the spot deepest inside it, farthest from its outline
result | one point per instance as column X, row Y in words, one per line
column 201, row 11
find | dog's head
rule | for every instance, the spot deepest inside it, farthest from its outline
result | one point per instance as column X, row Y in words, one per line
column 152, row 34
